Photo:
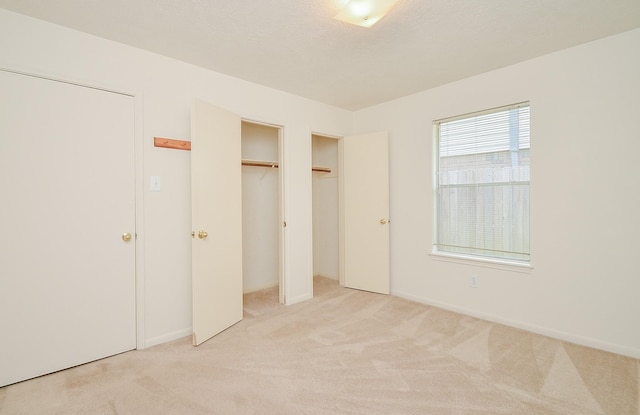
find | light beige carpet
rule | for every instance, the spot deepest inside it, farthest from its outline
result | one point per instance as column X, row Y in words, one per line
column 344, row 352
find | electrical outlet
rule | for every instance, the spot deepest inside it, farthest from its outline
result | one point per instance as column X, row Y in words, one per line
column 475, row 281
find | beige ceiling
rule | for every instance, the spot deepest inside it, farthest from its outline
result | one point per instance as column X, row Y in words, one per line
column 296, row 45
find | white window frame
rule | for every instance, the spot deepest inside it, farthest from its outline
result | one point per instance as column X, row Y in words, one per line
column 442, row 253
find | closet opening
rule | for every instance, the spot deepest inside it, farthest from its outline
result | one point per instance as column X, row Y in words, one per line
column 326, row 212
column 262, row 211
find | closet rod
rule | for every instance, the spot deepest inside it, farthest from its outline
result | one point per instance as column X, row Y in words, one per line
column 257, row 163
column 274, row 165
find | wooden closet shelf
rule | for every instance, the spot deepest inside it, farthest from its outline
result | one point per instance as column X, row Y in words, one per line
column 171, row 143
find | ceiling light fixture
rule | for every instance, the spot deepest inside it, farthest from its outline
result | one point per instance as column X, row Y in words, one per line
column 364, row 13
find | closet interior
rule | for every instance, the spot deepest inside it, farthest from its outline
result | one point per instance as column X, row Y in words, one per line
column 261, row 207
column 325, row 207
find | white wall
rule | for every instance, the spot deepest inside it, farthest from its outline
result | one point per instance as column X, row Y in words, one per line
column 260, row 209
column 165, row 89
column 585, row 197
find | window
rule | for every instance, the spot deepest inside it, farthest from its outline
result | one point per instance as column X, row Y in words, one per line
column 482, row 184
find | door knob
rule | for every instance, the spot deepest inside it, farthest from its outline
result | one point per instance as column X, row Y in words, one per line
column 202, row 234
column 383, row 221
column 126, row 236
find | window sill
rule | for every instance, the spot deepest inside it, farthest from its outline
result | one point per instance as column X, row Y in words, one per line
column 482, row 262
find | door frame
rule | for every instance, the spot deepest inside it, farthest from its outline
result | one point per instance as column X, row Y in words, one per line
column 283, row 281
column 137, row 148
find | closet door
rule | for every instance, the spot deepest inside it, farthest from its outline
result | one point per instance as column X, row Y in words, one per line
column 365, row 211
column 216, row 191
column 67, row 225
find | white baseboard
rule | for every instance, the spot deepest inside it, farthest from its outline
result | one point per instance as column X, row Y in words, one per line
column 556, row 334
column 154, row 341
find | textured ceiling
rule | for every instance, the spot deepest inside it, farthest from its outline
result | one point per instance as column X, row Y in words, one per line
column 296, row 45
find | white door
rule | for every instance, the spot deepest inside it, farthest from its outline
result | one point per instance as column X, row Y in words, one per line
column 365, row 211
column 67, row 276
column 216, row 192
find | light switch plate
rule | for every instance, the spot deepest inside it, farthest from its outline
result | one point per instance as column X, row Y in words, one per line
column 156, row 185
column 475, row 282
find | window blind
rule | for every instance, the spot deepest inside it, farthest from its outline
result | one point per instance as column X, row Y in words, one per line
column 482, row 184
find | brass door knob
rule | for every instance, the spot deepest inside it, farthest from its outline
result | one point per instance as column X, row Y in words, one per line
column 202, row 234
column 383, row 221
column 126, row 236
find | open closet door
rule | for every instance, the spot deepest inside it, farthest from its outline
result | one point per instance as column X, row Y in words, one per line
column 216, row 192
column 365, row 211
